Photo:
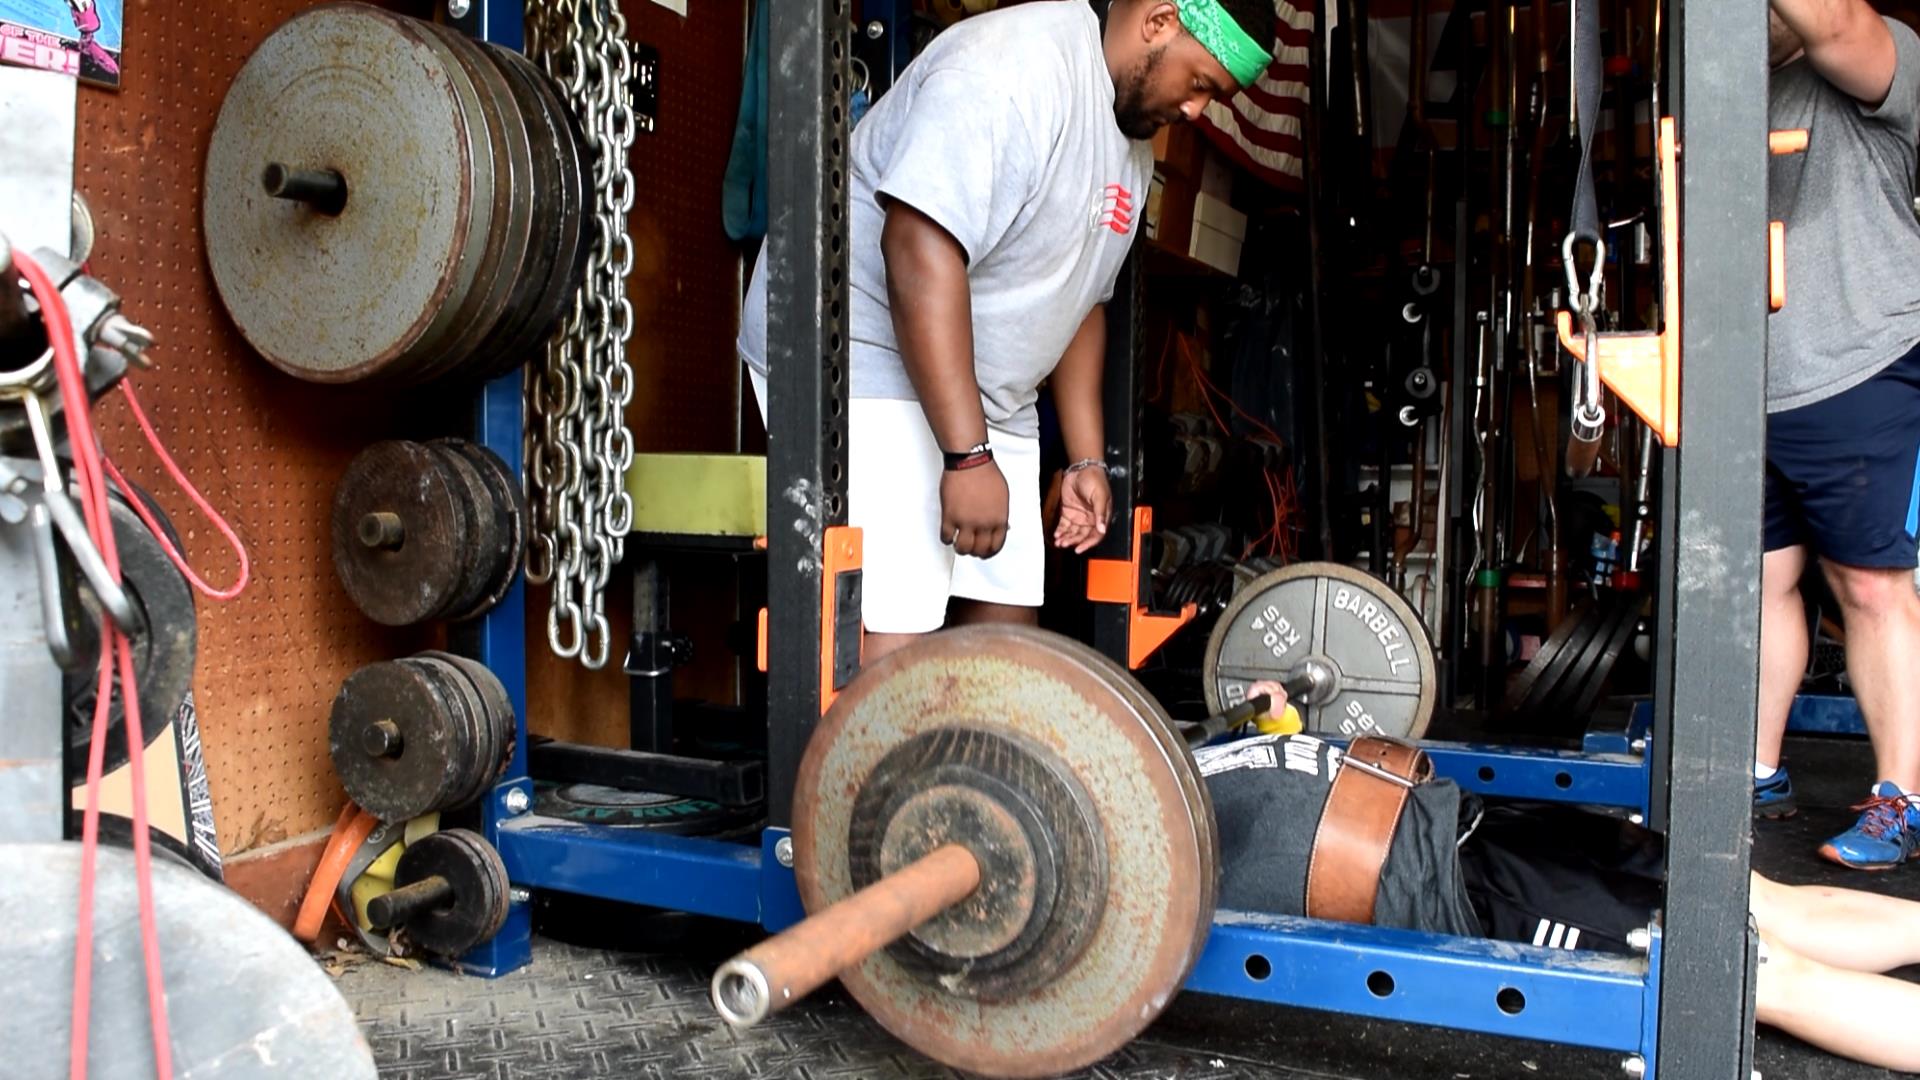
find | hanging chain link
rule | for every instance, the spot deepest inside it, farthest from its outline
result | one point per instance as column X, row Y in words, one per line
column 578, row 446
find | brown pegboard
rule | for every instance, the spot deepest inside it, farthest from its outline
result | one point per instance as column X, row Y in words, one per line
column 685, row 290
column 264, row 448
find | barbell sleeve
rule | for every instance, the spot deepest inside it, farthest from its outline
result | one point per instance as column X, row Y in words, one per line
column 792, row 964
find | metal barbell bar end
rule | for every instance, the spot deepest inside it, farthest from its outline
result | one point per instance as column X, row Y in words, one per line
column 388, row 910
column 792, row 964
column 381, row 529
column 323, row 189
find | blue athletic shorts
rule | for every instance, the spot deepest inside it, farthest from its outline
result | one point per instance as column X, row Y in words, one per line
column 1843, row 475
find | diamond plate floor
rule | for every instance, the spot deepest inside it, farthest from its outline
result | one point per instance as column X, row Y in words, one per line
column 627, row 998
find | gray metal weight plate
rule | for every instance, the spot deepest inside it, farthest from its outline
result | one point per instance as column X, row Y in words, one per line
column 1347, row 620
column 365, row 292
column 1068, row 709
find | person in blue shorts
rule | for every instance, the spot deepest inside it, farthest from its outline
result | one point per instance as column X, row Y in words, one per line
column 1843, row 399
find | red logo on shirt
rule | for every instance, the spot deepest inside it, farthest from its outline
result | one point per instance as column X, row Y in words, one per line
column 1114, row 209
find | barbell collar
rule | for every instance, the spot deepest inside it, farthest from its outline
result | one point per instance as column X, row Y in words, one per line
column 787, row 967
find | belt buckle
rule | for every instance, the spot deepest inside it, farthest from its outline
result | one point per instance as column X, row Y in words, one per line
column 1422, row 764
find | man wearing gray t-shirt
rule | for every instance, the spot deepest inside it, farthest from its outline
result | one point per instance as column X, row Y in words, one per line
column 1843, row 398
column 993, row 194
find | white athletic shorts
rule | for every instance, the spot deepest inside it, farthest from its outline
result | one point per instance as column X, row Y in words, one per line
column 893, row 496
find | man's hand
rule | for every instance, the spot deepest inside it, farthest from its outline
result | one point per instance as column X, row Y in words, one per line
column 1847, row 43
column 1086, row 504
column 973, row 510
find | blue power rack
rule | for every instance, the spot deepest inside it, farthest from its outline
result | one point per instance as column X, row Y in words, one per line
column 1610, row 1003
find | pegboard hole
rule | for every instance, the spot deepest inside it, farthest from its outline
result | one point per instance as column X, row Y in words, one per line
column 1563, row 781
column 1511, row 1001
column 1259, row 968
column 1486, row 774
column 1380, row 984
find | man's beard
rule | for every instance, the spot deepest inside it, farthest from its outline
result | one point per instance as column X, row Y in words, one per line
column 1129, row 101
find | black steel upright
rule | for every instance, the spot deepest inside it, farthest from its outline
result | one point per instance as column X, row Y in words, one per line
column 1713, row 613
column 1121, row 404
column 806, row 360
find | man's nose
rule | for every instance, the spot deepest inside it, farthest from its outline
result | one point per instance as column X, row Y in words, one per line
column 1191, row 108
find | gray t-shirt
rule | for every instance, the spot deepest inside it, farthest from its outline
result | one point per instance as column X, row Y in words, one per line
column 1853, row 246
column 1002, row 132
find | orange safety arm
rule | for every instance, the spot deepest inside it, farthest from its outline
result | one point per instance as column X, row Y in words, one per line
column 1123, row 581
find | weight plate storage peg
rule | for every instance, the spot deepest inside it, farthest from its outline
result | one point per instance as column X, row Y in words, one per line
column 1371, row 664
column 425, row 733
column 388, row 200
column 1006, row 854
column 425, row 531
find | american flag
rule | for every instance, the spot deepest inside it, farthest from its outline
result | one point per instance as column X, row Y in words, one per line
column 1261, row 127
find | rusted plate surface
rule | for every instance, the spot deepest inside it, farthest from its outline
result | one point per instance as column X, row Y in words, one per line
column 1346, row 620
column 478, row 880
column 402, row 745
column 497, row 550
column 335, row 298
column 1074, row 706
column 401, row 532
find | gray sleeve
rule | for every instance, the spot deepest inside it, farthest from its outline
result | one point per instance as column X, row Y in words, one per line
column 1901, row 110
column 964, row 159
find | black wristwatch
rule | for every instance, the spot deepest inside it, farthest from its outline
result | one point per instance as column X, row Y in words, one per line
column 972, row 458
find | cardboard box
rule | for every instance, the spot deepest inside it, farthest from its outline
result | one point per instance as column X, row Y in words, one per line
column 1217, row 233
column 1170, row 210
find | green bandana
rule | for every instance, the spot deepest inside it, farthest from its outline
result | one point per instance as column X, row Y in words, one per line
column 1243, row 57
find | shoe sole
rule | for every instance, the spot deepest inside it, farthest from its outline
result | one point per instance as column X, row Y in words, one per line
column 1775, row 813
column 1828, row 853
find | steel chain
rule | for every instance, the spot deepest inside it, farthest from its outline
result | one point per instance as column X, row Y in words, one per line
column 578, row 447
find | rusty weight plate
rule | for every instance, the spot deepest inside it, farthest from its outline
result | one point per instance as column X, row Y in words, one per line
column 481, row 893
column 498, row 281
column 562, row 239
column 505, row 507
column 402, row 744
column 367, row 292
column 1349, row 621
column 401, row 532
column 1080, row 711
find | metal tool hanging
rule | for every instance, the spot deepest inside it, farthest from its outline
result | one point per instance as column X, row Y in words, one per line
column 1588, row 413
column 578, row 446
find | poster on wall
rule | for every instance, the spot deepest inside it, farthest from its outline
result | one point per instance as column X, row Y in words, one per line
column 82, row 38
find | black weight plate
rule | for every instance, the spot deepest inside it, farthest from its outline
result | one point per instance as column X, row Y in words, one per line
column 487, row 533
column 674, row 815
column 480, row 891
column 1346, row 620
column 468, row 708
column 1558, row 654
column 498, row 727
column 1587, row 693
column 417, row 578
column 427, row 768
column 163, row 657
column 507, row 509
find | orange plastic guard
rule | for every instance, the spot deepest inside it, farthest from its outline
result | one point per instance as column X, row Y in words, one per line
column 1118, row 581
column 1776, row 264
column 844, row 551
column 1643, row 367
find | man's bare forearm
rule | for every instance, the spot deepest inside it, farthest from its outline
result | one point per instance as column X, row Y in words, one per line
column 1076, row 389
column 1846, row 42
column 933, row 323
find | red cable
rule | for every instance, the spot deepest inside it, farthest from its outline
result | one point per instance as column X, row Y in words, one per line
column 113, row 645
column 199, row 501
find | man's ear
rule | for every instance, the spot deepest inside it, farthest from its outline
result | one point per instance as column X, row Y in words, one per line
column 1160, row 23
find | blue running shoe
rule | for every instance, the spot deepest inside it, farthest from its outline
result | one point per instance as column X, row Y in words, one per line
column 1887, row 834
column 1773, row 797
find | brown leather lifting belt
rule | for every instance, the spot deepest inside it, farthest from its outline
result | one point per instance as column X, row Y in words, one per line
column 1357, row 827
